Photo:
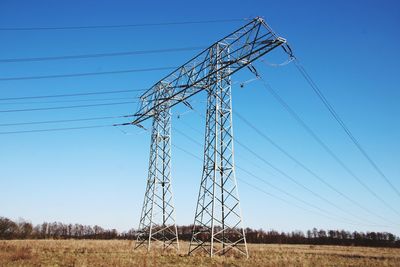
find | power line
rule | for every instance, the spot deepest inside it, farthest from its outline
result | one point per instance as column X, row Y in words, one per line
column 289, row 177
column 236, row 156
column 258, row 178
column 72, row 95
column 323, row 211
column 284, row 174
column 283, row 191
column 65, row 120
column 83, row 74
column 300, row 207
column 69, row 101
column 335, row 115
column 249, row 173
column 56, row 129
column 66, row 107
column 301, row 122
column 279, row 171
column 103, row 126
column 284, row 200
column 137, row 25
column 268, row 193
column 307, row 169
column 98, row 55
column 296, row 161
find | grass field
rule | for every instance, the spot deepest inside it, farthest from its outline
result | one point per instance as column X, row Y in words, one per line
column 121, row 253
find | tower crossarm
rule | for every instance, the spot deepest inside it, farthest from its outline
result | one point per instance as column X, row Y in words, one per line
column 245, row 45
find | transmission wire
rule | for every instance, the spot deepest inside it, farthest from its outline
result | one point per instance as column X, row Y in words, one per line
column 335, row 115
column 55, row 76
column 307, row 169
column 297, row 161
column 66, row 107
column 65, row 120
column 269, row 184
column 68, row 101
column 56, row 129
column 321, row 213
column 121, row 25
column 301, row 122
column 72, row 95
column 98, row 55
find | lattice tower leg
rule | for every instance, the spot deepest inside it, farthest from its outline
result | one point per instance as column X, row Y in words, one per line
column 218, row 226
column 157, row 222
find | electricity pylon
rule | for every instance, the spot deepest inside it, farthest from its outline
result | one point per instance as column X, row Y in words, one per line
column 157, row 221
column 218, row 225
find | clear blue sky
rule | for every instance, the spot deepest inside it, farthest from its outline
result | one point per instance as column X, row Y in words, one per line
column 98, row 176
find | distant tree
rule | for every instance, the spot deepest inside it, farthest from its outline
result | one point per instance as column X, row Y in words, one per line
column 309, row 234
column 22, row 229
column 8, row 228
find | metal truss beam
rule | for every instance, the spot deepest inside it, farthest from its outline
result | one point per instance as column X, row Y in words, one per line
column 246, row 44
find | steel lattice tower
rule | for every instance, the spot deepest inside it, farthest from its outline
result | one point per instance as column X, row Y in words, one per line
column 218, row 222
column 217, row 226
column 157, row 221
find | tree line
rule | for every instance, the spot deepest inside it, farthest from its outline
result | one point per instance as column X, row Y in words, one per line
column 22, row 229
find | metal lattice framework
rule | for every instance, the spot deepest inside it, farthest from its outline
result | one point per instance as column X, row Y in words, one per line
column 217, row 225
column 157, row 222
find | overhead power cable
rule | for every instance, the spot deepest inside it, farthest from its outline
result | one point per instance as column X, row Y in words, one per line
column 307, row 169
column 270, row 194
column 321, row 212
column 56, row 129
column 67, row 101
column 278, row 170
column 66, row 107
column 298, row 206
column 301, row 122
column 67, row 128
column 293, row 180
column 335, row 115
column 103, row 126
column 119, row 26
column 249, row 161
column 325, row 213
column 72, row 95
column 65, row 120
column 83, row 74
column 270, row 184
column 296, row 161
column 98, row 55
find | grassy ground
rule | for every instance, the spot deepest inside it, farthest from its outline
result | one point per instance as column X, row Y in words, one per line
column 120, row 253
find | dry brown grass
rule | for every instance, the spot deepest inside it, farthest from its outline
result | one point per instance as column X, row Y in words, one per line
column 120, row 253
